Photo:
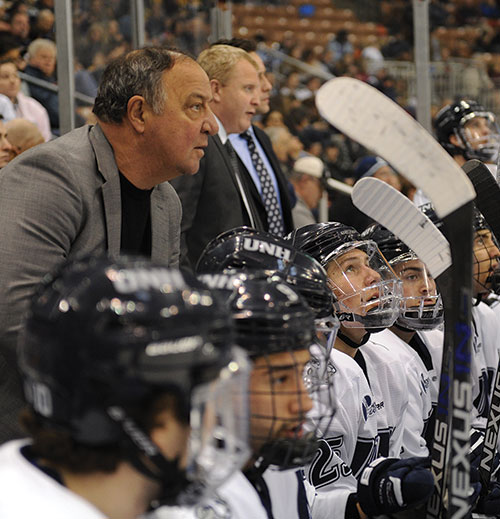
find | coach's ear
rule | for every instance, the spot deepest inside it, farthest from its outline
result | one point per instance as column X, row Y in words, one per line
column 216, row 87
column 137, row 112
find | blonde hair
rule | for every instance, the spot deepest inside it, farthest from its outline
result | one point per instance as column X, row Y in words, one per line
column 218, row 61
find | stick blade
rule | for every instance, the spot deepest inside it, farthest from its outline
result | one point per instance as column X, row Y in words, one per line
column 488, row 192
column 396, row 212
column 372, row 119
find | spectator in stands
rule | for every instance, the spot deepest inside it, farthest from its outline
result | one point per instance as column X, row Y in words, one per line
column 20, row 27
column 306, row 178
column 340, row 45
column 286, row 146
column 44, row 25
column 377, row 167
column 10, row 49
column 42, row 65
column 5, row 145
column 101, row 189
column 23, row 135
column 273, row 118
column 25, row 107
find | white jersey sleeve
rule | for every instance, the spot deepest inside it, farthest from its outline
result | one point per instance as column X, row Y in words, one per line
column 27, row 492
column 419, row 408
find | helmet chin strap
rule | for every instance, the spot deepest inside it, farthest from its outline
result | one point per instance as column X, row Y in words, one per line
column 347, row 340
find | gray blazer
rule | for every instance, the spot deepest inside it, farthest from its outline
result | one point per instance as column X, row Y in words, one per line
column 59, row 201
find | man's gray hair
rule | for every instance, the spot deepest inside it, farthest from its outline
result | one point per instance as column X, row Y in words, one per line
column 139, row 72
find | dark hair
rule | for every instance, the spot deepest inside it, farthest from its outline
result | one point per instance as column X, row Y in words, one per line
column 8, row 42
column 139, row 72
column 57, row 446
column 241, row 43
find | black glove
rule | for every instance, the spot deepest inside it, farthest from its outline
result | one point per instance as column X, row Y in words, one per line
column 489, row 503
column 390, row 485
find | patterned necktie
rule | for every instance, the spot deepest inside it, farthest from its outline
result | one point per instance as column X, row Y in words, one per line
column 269, row 195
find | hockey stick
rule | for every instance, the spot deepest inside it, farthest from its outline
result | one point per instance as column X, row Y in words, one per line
column 394, row 211
column 488, row 202
column 372, row 119
column 398, row 214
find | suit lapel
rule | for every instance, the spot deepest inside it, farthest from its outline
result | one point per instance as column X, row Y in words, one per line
column 226, row 158
column 159, row 226
column 106, row 166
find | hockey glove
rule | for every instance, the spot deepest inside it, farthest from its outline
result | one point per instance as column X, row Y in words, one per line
column 489, row 504
column 390, row 485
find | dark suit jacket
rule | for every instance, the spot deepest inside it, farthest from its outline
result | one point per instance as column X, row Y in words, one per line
column 286, row 205
column 211, row 202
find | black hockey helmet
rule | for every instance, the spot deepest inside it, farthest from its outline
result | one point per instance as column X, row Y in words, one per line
column 105, row 336
column 452, row 120
column 270, row 319
column 326, row 242
column 244, row 248
column 423, row 311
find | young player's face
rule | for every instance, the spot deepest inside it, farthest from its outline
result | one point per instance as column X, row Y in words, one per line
column 278, row 398
column 477, row 131
column 485, row 260
column 417, row 282
column 349, row 275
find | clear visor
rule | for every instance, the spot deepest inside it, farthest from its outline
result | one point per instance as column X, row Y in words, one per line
column 421, row 305
column 481, row 135
column 367, row 293
column 218, row 444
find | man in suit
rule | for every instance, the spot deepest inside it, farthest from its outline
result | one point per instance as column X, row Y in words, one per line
column 255, row 141
column 218, row 197
column 101, row 189
column 226, row 193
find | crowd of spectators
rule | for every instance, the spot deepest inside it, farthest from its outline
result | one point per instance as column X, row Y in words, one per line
column 103, row 31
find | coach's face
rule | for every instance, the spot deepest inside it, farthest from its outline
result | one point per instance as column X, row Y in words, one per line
column 238, row 98
column 177, row 138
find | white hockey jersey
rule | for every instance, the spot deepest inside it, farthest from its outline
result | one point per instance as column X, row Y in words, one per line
column 419, row 408
column 235, row 499
column 27, row 492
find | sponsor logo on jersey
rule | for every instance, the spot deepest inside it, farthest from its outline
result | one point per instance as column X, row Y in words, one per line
column 425, row 382
column 271, row 249
column 184, row 345
column 369, row 407
column 216, row 508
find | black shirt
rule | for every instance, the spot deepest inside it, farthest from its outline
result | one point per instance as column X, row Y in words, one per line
column 136, row 219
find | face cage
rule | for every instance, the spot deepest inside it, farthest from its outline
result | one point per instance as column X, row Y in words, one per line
column 299, row 446
column 218, row 443
column 418, row 316
column 481, row 148
column 380, row 311
column 421, row 317
column 483, row 266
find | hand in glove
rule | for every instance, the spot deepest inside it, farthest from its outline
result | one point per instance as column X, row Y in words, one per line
column 389, row 485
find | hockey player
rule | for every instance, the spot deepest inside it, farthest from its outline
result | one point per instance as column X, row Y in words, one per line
column 366, row 294
column 353, row 429
column 124, row 362
column 276, row 329
column 421, row 309
column 466, row 130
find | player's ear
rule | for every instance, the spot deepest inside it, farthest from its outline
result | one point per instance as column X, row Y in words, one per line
column 455, row 141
